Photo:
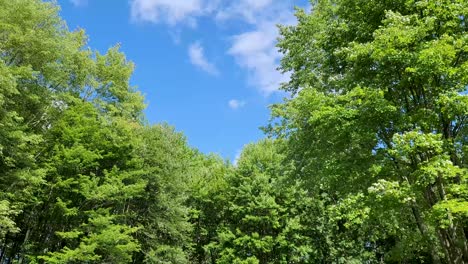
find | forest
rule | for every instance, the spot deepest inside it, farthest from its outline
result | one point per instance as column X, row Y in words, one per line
column 366, row 160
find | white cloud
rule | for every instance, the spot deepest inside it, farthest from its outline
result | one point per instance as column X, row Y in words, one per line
column 256, row 52
column 253, row 50
column 247, row 10
column 236, row 104
column 169, row 11
column 197, row 58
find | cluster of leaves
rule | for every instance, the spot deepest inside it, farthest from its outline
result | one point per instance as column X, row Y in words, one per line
column 378, row 127
column 254, row 213
column 83, row 178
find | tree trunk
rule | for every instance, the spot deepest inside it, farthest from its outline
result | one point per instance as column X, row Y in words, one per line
column 424, row 232
column 457, row 241
column 25, row 241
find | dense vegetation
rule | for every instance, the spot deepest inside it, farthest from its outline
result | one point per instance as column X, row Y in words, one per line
column 366, row 162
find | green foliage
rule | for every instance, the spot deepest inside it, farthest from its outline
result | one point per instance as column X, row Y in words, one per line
column 6, row 223
column 83, row 179
column 207, row 187
column 265, row 214
column 161, row 209
column 369, row 163
column 375, row 128
column 105, row 242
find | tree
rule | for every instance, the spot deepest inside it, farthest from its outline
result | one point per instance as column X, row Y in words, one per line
column 161, row 210
column 265, row 215
column 208, row 187
column 378, row 124
column 92, row 173
column 73, row 158
column 28, row 69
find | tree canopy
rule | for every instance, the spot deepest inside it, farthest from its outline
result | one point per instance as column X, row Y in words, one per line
column 365, row 162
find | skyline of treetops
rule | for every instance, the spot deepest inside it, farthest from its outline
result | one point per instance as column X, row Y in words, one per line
column 364, row 160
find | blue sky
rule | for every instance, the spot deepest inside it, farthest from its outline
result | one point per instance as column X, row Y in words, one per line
column 207, row 67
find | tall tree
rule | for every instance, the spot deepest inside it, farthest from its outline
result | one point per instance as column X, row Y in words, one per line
column 82, row 178
column 265, row 214
column 161, row 210
column 207, row 201
column 378, row 124
column 93, row 171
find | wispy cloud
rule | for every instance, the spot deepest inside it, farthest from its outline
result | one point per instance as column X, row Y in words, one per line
column 171, row 12
column 236, row 104
column 253, row 50
column 247, row 10
column 197, row 58
column 79, row 2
